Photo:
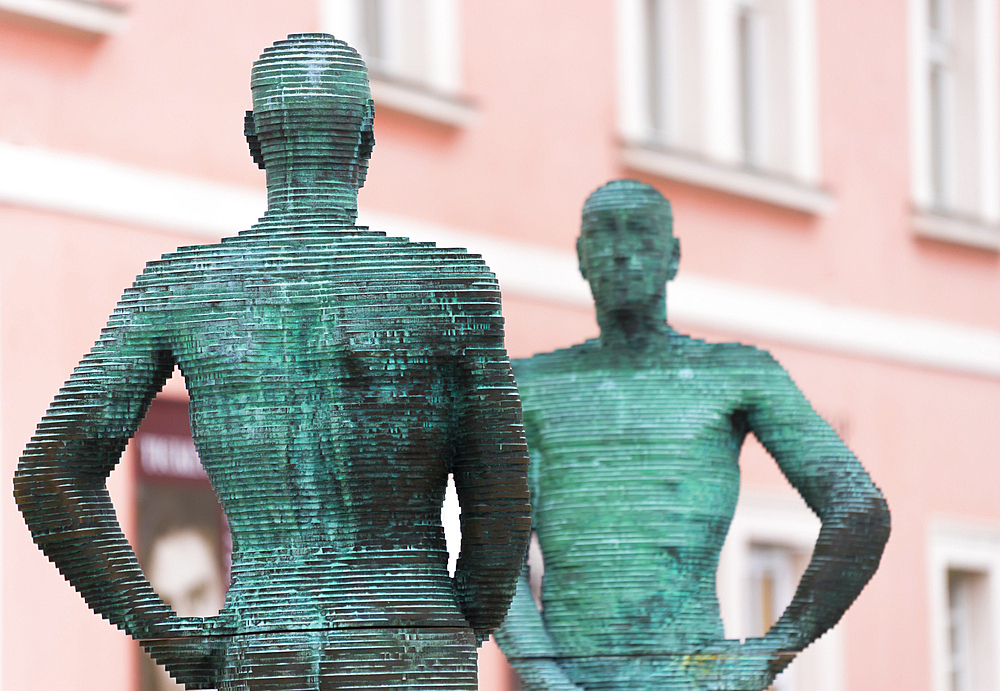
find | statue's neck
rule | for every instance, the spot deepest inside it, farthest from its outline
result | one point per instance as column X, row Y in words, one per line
column 634, row 326
column 308, row 191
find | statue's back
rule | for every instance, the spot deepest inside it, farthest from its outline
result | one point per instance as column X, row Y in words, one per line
column 327, row 373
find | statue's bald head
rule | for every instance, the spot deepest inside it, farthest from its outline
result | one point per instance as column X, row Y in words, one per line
column 625, row 195
column 311, row 101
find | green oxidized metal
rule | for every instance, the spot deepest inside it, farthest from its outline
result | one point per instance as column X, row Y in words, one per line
column 634, row 440
column 336, row 377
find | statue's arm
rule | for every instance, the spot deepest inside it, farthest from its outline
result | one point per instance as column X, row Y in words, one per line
column 490, row 466
column 60, row 483
column 523, row 638
column 527, row 645
column 833, row 483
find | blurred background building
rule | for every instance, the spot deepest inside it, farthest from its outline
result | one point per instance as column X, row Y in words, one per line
column 835, row 174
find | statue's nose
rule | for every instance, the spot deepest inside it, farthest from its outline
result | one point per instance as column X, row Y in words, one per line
column 621, row 244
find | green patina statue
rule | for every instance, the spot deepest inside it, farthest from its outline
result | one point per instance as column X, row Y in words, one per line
column 337, row 376
column 634, row 439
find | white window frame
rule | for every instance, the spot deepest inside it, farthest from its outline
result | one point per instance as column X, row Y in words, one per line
column 960, row 546
column 717, row 161
column 936, row 214
column 779, row 520
column 92, row 18
column 434, row 94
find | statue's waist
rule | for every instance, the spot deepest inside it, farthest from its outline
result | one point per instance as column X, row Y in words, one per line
column 583, row 623
column 303, row 617
column 358, row 557
column 278, row 592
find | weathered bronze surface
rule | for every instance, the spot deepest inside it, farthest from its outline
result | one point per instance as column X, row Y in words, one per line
column 634, row 441
column 337, row 376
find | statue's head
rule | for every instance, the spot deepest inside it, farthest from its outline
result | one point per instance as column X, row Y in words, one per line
column 627, row 248
column 312, row 107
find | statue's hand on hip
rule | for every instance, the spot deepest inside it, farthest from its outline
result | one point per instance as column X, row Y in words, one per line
column 735, row 666
column 192, row 649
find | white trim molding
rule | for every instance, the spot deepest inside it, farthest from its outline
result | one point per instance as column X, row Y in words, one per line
column 98, row 188
column 83, row 185
column 87, row 16
column 971, row 548
column 742, row 182
column 553, row 275
column 960, row 231
column 419, row 101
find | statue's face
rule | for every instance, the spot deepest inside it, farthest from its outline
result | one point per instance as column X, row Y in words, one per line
column 628, row 253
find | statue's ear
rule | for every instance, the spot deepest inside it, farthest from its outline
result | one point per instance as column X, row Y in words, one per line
column 367, row 133
column 250, row 132
column 580, row 255
column 674, row 259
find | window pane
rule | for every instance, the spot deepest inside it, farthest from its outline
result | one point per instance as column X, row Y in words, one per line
column 939, row 134
column 373, row 14
column 656, row 74
column 970, row 660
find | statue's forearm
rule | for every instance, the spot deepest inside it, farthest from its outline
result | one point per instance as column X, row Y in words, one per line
column 60, row 486
column 73, row 521
column 490, row 469
column 523, row 634
column 846, row 556
column 527, row 644
column 494, row 538
column 835, row 485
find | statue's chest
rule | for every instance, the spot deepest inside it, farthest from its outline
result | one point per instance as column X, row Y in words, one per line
column 658, row 410
column 655, row 441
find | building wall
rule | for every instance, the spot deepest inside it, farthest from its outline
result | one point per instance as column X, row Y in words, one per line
column 166, row 96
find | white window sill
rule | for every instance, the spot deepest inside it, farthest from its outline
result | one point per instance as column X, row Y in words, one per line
column 420, row 101
column 960, row 231
column 87, row 16
column 741, row 182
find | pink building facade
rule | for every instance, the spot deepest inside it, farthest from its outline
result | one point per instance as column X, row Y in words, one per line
column 835, row 175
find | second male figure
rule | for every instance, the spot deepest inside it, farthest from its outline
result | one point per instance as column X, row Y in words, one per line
column 634, row 439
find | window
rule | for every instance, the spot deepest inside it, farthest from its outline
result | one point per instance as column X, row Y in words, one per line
column 767, row 550
column 954, row 92
column 964, row 570
column 89, row 17
column 412, row 51
column 722, row 93
column 969, row 634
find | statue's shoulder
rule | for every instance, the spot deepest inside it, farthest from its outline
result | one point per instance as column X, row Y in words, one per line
column 178, row 271
column 555, row 362
column 728, row 354
column 185, row 264
column 457, row 259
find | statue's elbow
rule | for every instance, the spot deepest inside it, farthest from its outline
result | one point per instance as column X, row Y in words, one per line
column 39, row 492
column 880, row 525
column 870, row 522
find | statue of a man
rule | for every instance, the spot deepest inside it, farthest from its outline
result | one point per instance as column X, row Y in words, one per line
column 337, row 377
column 634, row 439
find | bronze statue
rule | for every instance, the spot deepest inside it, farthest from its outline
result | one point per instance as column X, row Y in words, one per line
column 336, row 376
column 634, row 440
